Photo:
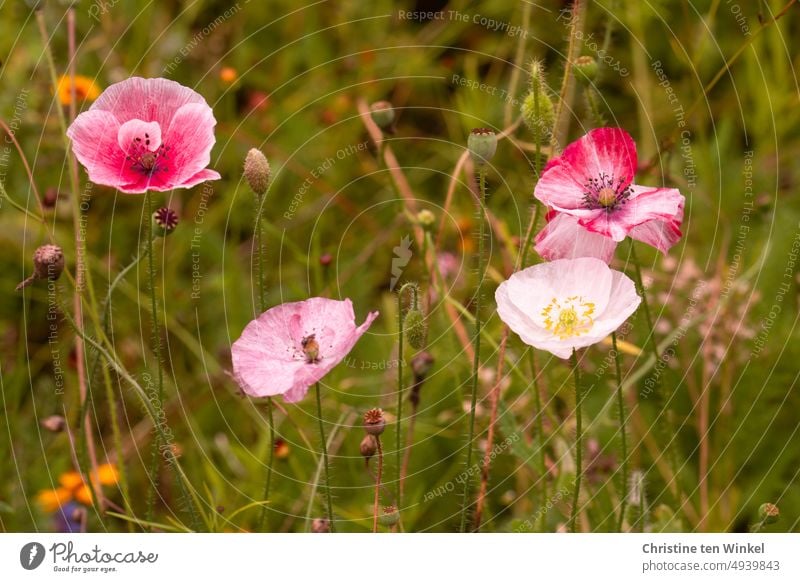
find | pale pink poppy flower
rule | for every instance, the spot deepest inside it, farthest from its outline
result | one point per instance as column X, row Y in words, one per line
column 566, row 304
column 146, row 134
column 593, row 181
column 290, row 347
column 564, row 238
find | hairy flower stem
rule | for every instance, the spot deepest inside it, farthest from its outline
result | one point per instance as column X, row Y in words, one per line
column 378, row 478
column 400, row 385
column 156, row 345
column 260, row 254
column 539, row 416
column 323, row 444
column 477, row 345
column 573, row 518
column 80, row 272
column 623, row 438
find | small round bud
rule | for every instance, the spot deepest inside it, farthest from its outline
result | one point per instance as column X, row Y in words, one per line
column 421, row 364
column 320, row 525
column 50, row 198
column 586, row 69
column 426, row 219
column 414, row 328
column 368, row 446
column 256, row 171
column 48, row 262
column 325, row 259
column 374, row 422
column 482, row 144
column 769, row 513
column 390, row 516
column 540, row 121
column 165, row 221
column 54, row 423
column 382, row 114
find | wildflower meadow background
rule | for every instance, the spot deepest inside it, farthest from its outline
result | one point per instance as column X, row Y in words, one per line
column 398, row 146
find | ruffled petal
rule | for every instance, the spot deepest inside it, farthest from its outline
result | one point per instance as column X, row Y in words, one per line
column 189, row 140
column 564, row 238
column 643, row 205
column 662, row 234
column 146, row 99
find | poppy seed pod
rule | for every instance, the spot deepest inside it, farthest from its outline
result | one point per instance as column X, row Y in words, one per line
column 390, row 516
column 586, row 69
column 256, row 171
column 374, row 422
column 382, row 114
column 165, row 221
column 769, row 513
column 482, row 144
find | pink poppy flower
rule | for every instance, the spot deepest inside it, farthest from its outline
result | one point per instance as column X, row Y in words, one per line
column 146, row 134
column 566, row 304
column 564, row 238
column 593, row 181
column 290, row 347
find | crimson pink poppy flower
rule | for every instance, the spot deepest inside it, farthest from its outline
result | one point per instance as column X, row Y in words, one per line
column 146, row 134
column 593, row 181
column 290, row 347
column 566, row 304
column 564, row 238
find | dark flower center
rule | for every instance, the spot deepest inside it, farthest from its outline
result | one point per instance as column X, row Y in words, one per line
column 604, row 192
column 310, row 348
column 145, row 161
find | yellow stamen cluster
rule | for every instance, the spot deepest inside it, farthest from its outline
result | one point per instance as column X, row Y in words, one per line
column 569, row 317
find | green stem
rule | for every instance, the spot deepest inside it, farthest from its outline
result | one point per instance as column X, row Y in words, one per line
column 573, row 518
column 539, row 414
column 260, row 236
column 645, row 307
column 400, row 390
column 156, row 345
column 622, row 432
column 268, row 481
column 324, row 445
column 477, row 346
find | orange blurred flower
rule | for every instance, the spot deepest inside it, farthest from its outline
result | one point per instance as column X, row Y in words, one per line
column 72, row 487
column 51, row 499
column 85, row 89
column 228, row 74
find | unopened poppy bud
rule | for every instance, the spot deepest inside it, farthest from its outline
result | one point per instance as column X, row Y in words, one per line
column 482, row 144
column 165, row 221
column 368, row 446
column 414, row 328
column 374, row 422
column 382, row 114
column 54, row 423
column 426, row 219
column 320, row 525
column 421, row 364
column 390, row 516
column 769, row 513
column 48, row 263
column 586, row 69
column 256, row 171
column 539, row 117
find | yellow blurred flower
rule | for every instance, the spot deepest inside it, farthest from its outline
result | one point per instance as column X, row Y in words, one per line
column 85, row 89
column 83, row 495
column 70, row 480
